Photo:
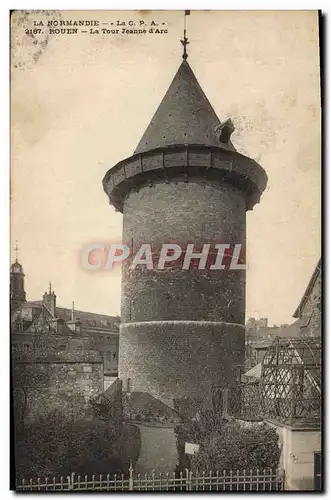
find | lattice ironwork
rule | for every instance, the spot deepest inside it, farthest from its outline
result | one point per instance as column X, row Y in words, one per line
column 291, row 380
column 244, row 401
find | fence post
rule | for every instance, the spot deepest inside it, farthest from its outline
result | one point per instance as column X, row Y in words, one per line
column 69, row 483
column 188, row 480
column 131, row 477
column 281, row 478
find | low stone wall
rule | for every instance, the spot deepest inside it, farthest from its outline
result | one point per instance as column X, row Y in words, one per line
column 62, row 383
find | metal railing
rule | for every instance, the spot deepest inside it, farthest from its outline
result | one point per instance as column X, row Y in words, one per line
column 245, row 480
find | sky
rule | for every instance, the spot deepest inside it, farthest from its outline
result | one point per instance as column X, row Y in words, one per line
column 81, row 102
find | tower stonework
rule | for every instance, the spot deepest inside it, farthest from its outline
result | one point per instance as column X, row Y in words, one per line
column 182, row 331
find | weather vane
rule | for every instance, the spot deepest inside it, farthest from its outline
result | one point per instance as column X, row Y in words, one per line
column 185, row 41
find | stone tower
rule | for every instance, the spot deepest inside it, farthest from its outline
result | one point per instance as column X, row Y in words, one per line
column 17, row 292
column 182, row 331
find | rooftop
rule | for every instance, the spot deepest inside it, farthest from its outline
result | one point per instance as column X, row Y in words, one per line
column 184, row 117
column 86, row 319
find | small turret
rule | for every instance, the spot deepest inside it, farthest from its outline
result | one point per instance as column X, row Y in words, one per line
column 17, row 292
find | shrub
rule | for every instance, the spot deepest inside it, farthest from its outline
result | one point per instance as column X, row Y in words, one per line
column 54, row 446
column 233, row 446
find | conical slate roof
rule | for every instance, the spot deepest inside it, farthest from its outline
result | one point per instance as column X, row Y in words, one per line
column 185, row 116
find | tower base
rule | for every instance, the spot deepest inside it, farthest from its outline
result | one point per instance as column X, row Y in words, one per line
column 175, row 359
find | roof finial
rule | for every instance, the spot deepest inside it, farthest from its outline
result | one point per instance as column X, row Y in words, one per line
column 16, row 250
column 185, row 41
column 50, row 287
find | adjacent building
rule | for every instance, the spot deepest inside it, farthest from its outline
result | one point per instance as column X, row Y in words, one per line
column 260, row 335
column 308, row 311
column 285, row 377
column 59, row 355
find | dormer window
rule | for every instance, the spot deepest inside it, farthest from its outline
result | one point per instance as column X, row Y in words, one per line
column 224, row 131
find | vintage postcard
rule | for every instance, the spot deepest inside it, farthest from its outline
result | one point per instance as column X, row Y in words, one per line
column 165, row 279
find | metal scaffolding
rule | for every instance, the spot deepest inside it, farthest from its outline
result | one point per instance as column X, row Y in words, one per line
column 291, row 381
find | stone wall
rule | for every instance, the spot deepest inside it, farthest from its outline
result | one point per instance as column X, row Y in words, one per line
column 182, row 330
column 175, row 359
column 183, row 213
column 311, row 313
column 58, row 382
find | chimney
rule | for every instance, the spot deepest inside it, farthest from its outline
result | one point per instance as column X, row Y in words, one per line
column 73, row 314
column 49, row 301
column 263, row 322
column 73, row 323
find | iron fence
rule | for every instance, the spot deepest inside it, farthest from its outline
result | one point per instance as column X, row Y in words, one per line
column 245, row 480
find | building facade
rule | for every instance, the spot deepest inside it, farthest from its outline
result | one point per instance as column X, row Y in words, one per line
column 309, row 310
column 59, row 355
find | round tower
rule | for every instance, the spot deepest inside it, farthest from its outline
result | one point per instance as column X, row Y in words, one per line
column 182, row 331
